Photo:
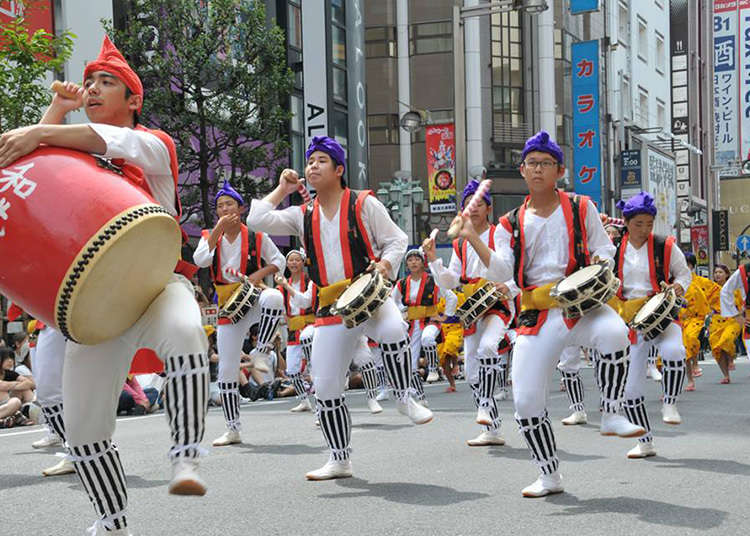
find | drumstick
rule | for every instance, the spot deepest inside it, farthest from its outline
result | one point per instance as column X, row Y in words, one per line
column 59, row 88
column 457, row 224
column 235, row 273
column 306, row 198
column 433, row 234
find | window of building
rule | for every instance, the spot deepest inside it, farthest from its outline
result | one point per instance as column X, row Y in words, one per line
column 642, row 40
column 341, row 127
column 623, row 23
column 627, row 102
column 661, row 56
column 431, row 38
column 507, row 79
column 643, row 117
column 661, row 114
column 380, row 42
column 338, row 52
column 338, row 11
column 383, row 129
column 294, row 22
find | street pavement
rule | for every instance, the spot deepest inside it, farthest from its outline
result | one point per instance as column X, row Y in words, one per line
column 413, row 480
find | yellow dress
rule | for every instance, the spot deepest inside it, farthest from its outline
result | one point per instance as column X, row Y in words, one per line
column 453, row 337
column 693, row 316
column 724, row 331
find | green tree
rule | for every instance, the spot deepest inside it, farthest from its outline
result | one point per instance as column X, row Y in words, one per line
column 215, row 78
column 25, row 61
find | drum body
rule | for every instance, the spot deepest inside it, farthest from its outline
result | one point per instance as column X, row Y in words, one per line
column 364, row 295
column 476, row 305
column 585, row 290
column 656, row 314
column 240, row 302
column 86, row 251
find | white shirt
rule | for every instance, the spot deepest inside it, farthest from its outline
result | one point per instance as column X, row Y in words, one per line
column 637, row 276
column 231, row 255
column 728, row 307
column 451, row 300
column 388, row 241
column 146, row 151
column 547, row 249
column 303, row 296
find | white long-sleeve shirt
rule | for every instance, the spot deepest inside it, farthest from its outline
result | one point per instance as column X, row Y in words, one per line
column 451, row 300
column 302, row 300
column 637, row 276
column 728, row 307
column 146, row 151
column 388, row 241
column 450, row 277
column 547, row 248
column 231, row 255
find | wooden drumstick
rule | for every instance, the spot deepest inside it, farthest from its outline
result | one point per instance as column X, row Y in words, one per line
column 306, row 198
column 59, row 88
column 433, row 234
column 235, row 273
column 458, row 223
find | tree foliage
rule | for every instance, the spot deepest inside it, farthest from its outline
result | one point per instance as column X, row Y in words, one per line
column 215, row 78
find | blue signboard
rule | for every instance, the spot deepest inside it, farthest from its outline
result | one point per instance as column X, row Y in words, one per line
column 630, row 178
column 583, row 6
column 587, row 170
column 743, row 243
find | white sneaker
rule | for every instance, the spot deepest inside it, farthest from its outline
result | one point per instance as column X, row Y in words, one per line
column 544, row 485
column 382, row 395
column 97, row 529
column 613, row 424
column 486, row 439
column 374, row 406
column 577, row 417
column 670, row 415
column 63, row 467
column 642, row 450
column 50, row 440
column 424, row 403
column 229, row 437
column 502, row 395
column 433, row 376
column 304, row 405
column 332, row 469
column 483, row 416
column 415, row 411
column 185, row 478
column 653, row 373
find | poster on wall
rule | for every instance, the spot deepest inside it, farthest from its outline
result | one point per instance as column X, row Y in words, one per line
column 699, row 241
column 662, row 185
column 726, row 83
column 440, row 144
column 734, row 197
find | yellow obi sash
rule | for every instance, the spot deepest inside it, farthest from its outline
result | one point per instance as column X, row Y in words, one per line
column 296, row 323
column 328, row 295
column 627, row 309
column 538, row 299
column 223, row 292
column 470, row 288
column 418, row 312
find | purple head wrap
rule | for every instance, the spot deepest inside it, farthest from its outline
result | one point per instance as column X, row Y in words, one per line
column 543, row 143
column 329, row 146
column 227, row 190
column 640, row 203
column 470, row 189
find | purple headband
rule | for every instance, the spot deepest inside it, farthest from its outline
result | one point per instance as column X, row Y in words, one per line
column 227, row 190
column 640, row 203
column 329, row 146
column 471, row 189
column 543, row 143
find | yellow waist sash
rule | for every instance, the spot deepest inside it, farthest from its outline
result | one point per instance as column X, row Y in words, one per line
column 418, row 312
column 627, row 309
column 328, row 295
column 470, row 288
column 223, row 292
column 296, row 323
column 538, row 299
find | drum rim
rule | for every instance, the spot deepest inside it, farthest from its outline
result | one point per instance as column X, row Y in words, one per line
column 85, row 260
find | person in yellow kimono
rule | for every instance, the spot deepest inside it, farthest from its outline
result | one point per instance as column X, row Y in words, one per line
column 693, row 317
column 450, row 348
column 723, row 331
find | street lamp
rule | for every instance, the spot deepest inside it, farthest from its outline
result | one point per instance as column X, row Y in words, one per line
column 401, row 195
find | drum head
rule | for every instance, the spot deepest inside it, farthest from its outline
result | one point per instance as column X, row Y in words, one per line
column 117, row 274
column 577, row 278
column 354, row 290
column 654, row 303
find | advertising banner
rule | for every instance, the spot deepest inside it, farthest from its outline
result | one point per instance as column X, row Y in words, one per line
column 662, row 185
column 630, row 170
column 699, row 241
column 726, row 83
column 583, row 6
column 440, row 144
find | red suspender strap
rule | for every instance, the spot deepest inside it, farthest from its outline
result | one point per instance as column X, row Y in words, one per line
column 621, row 264
column 522, row 245
column 743, row 277
column 317, row 245
column 435, row 293
column 506, row 224
column 346, row 251
column 583, row 207
column 314, row 290
column 491, row 241
column 407, row 293
column 358, row 206
column 420, row 292
column 258, row 249
column 244, row 246
column 651, row 267
column 463, row 259
column 669, row 242
column 568, row 214
column 167, row 140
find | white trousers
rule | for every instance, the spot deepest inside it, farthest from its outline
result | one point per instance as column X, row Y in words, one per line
column 670, row 347
column 535, row 356
column 47, row 366
column 295, row 354
column 571, row 360
column 421, row 337
column 482, row 344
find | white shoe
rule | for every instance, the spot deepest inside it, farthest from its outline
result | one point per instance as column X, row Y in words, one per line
column 374, row 406
column 577, row 417
column 544, row 485
column 229, row 437
column 63, row 467
column 486, row 439
column 97, row 529
column 304, row 405
column 642, row 450
column 613, row 424
column 502, row 395
column 433, row 376
column 332, row 469
column 382, row 395
column 670, row 415
column 185, row 478
column 415, row 411
column 483, row 416
column 424, row 403
column 653, row 373
column 50, row 440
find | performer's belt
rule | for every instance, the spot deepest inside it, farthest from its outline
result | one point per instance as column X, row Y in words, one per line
column 470, row 288
column 627, row 309
column 418, row 312
column 328, row 295
column 296, row 323
column 224, row 291
column 538, row 299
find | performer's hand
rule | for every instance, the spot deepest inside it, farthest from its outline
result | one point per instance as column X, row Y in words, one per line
column 255, row 279
column 227, row 221
column 64, row 104
column 384, row 267
column 289, row 181
column 17, row 143
column 503, row 289
column 428, row 246
column 467, row 231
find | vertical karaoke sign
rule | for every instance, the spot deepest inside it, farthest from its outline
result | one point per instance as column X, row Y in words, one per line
column 586, row 129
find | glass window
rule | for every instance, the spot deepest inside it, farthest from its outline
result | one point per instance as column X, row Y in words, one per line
column 430, row 38
column 642, row 40
column 298, row 113
column 294, row 15
column 383, row 129
column 295, row 64
column 338, row 11
column 341, row 127
column 508, row 80
column 380, row 42
column 339, row 84
column 338, row 45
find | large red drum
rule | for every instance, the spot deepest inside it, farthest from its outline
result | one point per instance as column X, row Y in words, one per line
column 82, row 249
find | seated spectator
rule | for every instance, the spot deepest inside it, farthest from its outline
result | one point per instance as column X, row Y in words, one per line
column 135, row 400
column 14, row 391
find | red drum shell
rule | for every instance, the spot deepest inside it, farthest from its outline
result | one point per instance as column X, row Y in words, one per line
column 86, row 251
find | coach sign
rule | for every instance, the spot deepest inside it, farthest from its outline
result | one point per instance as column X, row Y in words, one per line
column 630, row 170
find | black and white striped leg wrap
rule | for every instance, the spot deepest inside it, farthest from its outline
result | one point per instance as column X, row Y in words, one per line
column 537, row 431
column 186, row 392
column 612, row 374
column 306, row 344
column 380, row 372
column 416, row 385
column 494, row 413
column 230, row 404
column 430, row 351
column 369, row 380
column 397, row 363
column 300, row 389
column 635, row 411
column 54, row 417
column 269, row 321
column 336, row 424
column 100, row 471
column 653, row 352
column 673, row 378
column 489, row 370
column 502, row 376
column 574, row 387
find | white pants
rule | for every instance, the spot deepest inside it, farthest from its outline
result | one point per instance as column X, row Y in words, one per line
column 421, row 337
column 47, row 366
column 571, row 360
column 535, row 356
column 482, row 344
column 670, row 347
column 295, row 353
